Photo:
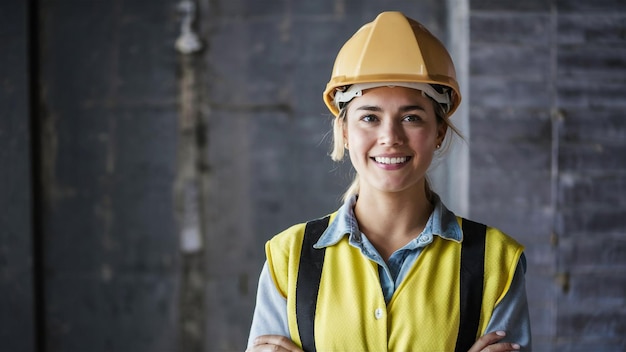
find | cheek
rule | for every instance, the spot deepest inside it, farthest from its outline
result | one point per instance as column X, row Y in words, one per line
column 358, row 140
column 422, row 139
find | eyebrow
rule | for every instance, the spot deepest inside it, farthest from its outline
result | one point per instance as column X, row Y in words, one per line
column 402, row 108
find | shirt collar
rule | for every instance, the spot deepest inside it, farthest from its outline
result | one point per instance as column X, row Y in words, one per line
column 442, row 222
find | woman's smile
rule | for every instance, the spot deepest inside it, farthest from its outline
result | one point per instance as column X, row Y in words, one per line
column 391, row 163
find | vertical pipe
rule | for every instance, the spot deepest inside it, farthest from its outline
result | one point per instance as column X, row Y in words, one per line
column 451, row 177
column 188, row 188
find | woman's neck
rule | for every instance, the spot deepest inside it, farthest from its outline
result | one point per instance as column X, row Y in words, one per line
column 391, row 220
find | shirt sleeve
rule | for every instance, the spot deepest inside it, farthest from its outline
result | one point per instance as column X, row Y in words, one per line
column 511, row 313
column 270, row 312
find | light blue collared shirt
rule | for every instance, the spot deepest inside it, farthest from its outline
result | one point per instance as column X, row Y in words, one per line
column 510, row 314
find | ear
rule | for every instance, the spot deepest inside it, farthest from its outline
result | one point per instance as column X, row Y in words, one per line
column 442, row 128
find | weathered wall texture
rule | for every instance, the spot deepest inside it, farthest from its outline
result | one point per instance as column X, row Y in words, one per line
column 107, row 100
column 139, row 185
column 548, row 158
column 17, row 323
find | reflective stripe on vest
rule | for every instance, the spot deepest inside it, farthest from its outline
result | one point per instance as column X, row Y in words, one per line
column 471, row 282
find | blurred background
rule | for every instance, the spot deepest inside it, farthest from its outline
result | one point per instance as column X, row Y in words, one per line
column 148, row 149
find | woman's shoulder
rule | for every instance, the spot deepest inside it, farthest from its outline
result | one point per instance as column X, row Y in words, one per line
column 293, row 235
column 493, row 233
column 289, row 235
column 500, row 237
column 501, row 248
column 283, row 254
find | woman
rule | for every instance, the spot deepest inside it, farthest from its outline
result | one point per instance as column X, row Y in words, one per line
column 393, row 268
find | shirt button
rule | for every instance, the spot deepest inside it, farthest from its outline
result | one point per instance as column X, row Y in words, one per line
column 378, row 313
column 425, row 238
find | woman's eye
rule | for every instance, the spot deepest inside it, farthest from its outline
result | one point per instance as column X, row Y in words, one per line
column 369, row 118
column 412, row 118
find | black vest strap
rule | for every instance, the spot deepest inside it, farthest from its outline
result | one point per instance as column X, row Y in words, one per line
column 308, row 284
column 472, row 278
column 471, row 284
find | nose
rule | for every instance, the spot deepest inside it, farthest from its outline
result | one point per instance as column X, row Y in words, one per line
column 391, row 133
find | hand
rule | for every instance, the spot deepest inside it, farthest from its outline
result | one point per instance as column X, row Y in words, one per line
column 488, row 343
column 273, row 343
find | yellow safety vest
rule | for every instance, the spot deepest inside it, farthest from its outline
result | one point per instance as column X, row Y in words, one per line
column 423, row 314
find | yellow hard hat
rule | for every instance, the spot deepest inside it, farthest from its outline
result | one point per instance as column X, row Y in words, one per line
column 393, row 48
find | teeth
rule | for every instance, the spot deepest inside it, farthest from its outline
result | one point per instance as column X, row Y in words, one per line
column 384, row 160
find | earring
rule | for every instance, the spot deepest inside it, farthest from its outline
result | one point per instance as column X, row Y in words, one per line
column 345, row 145
column 438, row 146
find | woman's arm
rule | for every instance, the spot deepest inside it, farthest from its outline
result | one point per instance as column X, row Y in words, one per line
column 511, row 313
column 270, row 312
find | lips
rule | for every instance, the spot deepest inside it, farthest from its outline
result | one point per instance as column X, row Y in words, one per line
column 391, row 160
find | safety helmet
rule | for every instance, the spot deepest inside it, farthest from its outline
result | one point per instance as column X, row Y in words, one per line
column 393, row 48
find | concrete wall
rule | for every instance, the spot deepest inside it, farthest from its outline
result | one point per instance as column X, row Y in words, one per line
column 139, row 184
column 17, row 284
column 548, row 158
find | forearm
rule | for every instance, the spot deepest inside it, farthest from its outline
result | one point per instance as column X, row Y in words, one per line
column 511, row 313
column 270, row 312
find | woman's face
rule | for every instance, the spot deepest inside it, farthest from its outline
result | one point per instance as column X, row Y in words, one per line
column 392, row 133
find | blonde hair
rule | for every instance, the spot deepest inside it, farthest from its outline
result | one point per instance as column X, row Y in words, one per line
column 338, row 147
